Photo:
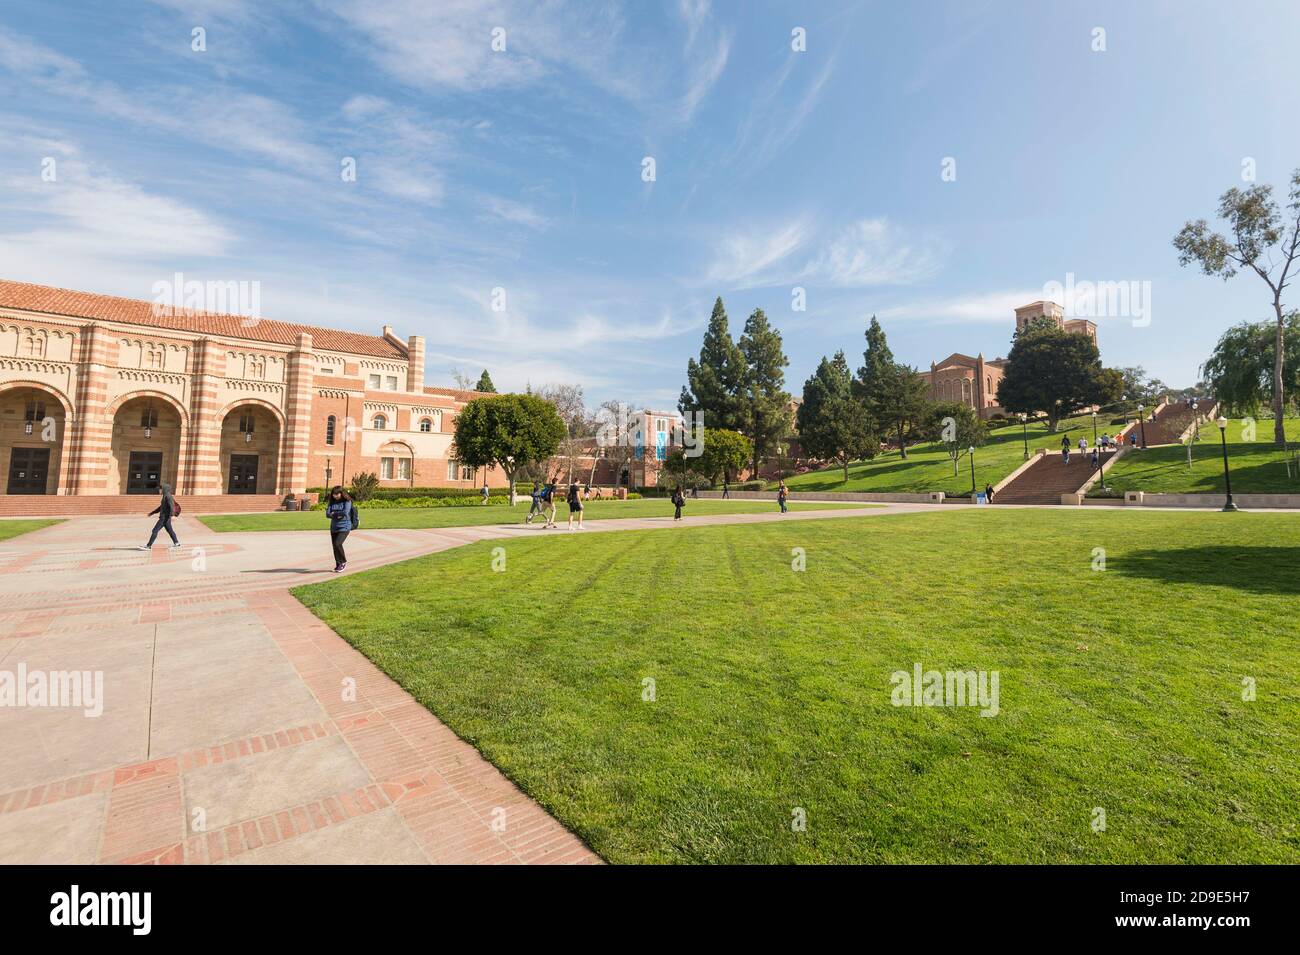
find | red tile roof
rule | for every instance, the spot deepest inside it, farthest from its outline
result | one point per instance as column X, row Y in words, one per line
column 459, row 394
column 110, row 308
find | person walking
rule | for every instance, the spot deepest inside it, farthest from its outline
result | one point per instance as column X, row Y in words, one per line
column 167, row 509
column 988, row 493
column 1083, row 445
column 485, row 493
column 1065, row 454
column 782, row 494
column 536, row 507
column 575, row 505
column 726, row 491
column 679, row 500
column 548, row 503
column 1065, row 442
column 344, row 519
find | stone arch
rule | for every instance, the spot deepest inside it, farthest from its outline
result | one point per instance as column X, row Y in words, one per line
column 127, row 439
column 250, row 462
column 54, row 471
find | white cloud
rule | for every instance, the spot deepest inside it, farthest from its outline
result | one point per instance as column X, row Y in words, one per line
column 982, row 308
column 515, row 212
column 752, row 258
column 872, row 252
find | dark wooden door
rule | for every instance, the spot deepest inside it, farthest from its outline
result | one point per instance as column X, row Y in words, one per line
column 144, row 472
column 29, row 468
column 243, row 474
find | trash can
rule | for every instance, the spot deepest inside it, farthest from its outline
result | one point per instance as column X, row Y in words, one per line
column 304, row 504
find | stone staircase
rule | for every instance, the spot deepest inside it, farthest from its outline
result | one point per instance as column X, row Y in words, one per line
column 1172, row 421
column 54, row 505
column 1044, row 481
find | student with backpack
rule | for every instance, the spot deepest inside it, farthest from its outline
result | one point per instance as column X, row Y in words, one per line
column 679, row 500
column 548, row 503
column 575, row 505
column 536, row 507
column 781, row 495
column 167, row 509
column 344, row 519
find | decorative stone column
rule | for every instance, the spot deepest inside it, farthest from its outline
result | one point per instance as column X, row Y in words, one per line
column 203, row 459
column 91, row 432
column 297, row 415
column 415, row 364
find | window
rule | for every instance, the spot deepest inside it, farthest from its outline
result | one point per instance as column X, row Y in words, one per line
column 154, row 357
column 329, row 429
column 386, row 468
column 326, row 370
column 404, row 468
column 148, row 418
column 459, row 472
column 661, row 425
column 467, row 473
column 379, row 422
column 246, row 422
column 426, row 425
column 391, row 382
column 374, row 382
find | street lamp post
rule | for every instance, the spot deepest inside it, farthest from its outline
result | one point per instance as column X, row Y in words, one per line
column 1101, row 475
column 1227, row 479
column 1024, row 426
column 1191, row 438
column 1142, row 418
column 972, row 472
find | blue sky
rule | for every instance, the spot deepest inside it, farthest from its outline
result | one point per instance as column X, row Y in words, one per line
column 522, row 169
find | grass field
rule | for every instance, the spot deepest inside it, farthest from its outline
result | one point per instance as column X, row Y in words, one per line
column 928, row 467
column 473, row 515
column 1257, row 466
column 14, row 528
column 1120, row 689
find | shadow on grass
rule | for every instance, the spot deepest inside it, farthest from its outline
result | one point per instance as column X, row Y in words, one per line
column 1261, row 570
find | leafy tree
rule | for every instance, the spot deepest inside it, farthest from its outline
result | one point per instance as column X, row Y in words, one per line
column 722, row 452
column 833, row 423
column 1264, row 240
column 766, row 404
column 512, row 432
column 1241, row 369
column 485, row 383
column 715, row 382
column 900, row 403
column 1052, row 371
column 957, row 426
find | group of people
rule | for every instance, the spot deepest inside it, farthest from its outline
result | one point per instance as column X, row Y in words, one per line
column 543, row 503
column 1104, row 443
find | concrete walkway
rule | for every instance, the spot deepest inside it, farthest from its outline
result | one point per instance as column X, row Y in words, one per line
column 235, row 726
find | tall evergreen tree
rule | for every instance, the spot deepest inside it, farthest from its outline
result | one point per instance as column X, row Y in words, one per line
column 766, row 404
column 485, row 383
column 878, row 361
column 714, row 382
column 832, row 422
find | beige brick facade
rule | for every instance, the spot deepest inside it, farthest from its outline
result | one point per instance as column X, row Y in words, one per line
column 101, row 395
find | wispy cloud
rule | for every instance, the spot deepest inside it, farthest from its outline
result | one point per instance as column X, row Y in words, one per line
column 752, row 258
column 872, row 252
column 977, row 308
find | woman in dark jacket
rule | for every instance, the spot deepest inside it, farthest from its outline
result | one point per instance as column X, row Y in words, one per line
column 679, row 500
column 165, row 510
column 343, row 520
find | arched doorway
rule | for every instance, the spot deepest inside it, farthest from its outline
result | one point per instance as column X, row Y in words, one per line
column 33, row 424
column 146, row 445
column 250, row 450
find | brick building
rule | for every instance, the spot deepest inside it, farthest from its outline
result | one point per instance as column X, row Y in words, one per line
column 974, row 381
column 102, row 396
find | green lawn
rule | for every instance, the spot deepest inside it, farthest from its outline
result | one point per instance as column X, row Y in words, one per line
column 14, row 528
column 1257, row 466
column 416, row 517
column 1119, row 688
column 928, row 467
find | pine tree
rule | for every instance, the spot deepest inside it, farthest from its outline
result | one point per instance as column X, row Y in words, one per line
column 714, row 383
column 832, row 422
column 878, row 361
column 485, row 383
column 766, row 405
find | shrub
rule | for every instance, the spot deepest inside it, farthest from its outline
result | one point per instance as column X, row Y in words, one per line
column 364, row 485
